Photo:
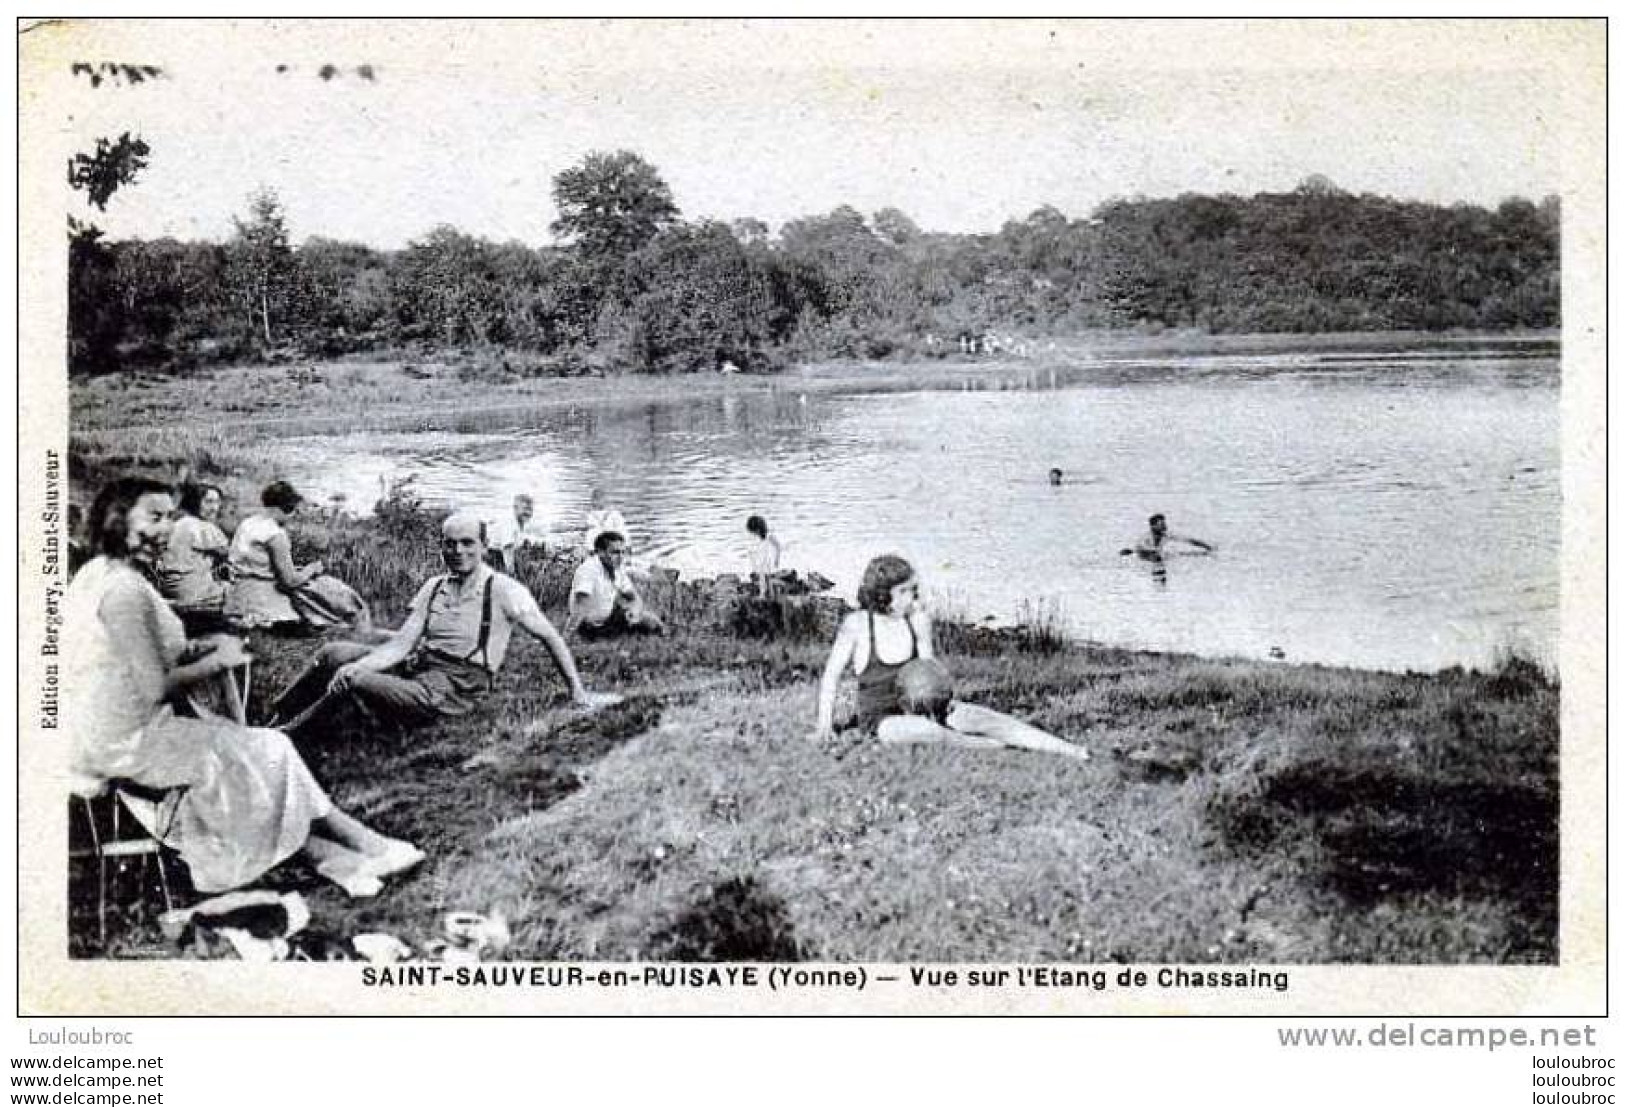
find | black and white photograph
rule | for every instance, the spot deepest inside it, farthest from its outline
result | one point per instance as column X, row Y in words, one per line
column 846, row 515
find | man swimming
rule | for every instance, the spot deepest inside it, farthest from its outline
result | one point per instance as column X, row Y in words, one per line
column 1153, row 545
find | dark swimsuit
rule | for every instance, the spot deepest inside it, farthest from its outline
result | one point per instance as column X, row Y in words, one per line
column 878, row 694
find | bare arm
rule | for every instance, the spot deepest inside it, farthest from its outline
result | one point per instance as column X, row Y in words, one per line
column 530, row 617
column 922, row 633
column 840, row 656
column 222, row 653
column 387, row 654
column 572, row 616
column 624, row 587
column 212, row 543
column 287, row 575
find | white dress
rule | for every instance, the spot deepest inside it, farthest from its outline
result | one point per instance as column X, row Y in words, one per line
column 246, row 801
column 258, row 599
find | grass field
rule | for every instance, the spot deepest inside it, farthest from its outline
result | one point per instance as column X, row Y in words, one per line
column 1233, row 811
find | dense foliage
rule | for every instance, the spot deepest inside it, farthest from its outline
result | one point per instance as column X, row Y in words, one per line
column 633, row 287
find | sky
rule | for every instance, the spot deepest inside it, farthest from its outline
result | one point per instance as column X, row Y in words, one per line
column 963, row 125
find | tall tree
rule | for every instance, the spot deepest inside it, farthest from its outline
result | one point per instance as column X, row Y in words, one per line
column 611, row 204
column 262, row 258
column 95, row 318
column 114, row 164
column 894, row 225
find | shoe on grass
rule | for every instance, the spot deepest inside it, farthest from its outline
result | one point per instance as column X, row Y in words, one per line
column 397, row 858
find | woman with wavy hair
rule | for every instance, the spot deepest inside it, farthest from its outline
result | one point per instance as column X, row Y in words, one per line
column 905, row 695
column 241, row 799
column 192, row 570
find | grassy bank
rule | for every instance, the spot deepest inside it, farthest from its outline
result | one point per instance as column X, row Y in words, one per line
column 1233, row 811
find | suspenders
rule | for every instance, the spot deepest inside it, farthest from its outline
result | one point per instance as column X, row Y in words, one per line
column 485, row 628
column 481, row 645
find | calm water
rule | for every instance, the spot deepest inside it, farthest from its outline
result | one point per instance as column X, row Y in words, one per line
column 1392, row 510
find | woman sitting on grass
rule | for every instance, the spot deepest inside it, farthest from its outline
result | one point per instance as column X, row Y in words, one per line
column 904, row 694
column 270, row 591
column 192, row 570
column 240, row 798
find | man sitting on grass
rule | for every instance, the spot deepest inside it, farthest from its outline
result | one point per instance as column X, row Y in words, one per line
column 603, row 600
column 446, row 654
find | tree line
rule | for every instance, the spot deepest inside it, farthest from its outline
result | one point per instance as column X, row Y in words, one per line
column 630, row 285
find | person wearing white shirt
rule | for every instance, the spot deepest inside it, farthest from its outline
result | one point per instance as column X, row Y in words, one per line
column 510, row 532
column 603, row 599
column 448, row 652
column 764, row 558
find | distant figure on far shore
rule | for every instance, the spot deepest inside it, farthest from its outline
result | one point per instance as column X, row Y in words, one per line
column 764, row 558
column 1153, row 545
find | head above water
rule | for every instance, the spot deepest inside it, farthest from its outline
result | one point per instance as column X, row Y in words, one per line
column 462, row 543
column 757, row 526
column 523, row 506
column 130, row 518
column 883, row 574
column 1055, row 476
column 1158, row 523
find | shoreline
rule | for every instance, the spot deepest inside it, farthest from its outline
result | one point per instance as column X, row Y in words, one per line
column 211, row 448
column 389, row 379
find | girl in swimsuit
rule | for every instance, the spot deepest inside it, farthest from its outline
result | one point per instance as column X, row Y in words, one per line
column 891, row 629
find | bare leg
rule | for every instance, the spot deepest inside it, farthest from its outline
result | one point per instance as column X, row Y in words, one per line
column 383, row 856
column 351, row 833
column 343, row 866
column 917, row 730
column 328, row 854
column 1005, row 730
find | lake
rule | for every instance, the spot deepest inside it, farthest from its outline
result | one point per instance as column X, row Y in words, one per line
column 1388, row 508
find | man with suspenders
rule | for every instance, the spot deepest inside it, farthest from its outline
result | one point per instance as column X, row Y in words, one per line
column 445, row 655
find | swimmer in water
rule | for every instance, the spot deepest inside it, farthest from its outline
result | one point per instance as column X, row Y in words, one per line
column 1154, row 544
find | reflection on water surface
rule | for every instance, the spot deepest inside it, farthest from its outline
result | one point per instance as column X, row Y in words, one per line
column 1394, row 509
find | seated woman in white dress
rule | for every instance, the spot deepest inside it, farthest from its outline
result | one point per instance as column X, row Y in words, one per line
column 904, row 694
column 243, row 800
column 191, row 572
column 269, row 590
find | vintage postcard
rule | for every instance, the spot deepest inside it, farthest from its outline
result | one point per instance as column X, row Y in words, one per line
column 1021, row 517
